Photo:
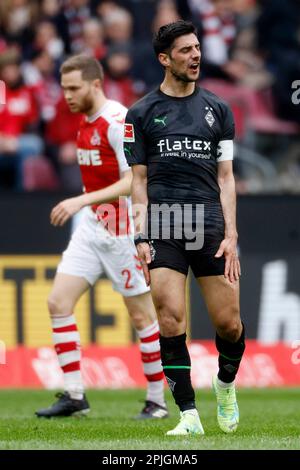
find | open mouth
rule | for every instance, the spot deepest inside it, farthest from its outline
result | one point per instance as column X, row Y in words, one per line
column 194, row 67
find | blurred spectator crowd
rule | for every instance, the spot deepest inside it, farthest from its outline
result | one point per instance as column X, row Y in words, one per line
column 250, row 57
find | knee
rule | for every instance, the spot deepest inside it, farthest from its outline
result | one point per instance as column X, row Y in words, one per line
column 141, row 310
column 230, row 330
column 171, row 321
column 138, row 318
column 58, row 306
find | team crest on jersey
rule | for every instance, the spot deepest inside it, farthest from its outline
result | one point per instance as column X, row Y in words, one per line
column 209, row 116
column 95, row 139
column 129, row 133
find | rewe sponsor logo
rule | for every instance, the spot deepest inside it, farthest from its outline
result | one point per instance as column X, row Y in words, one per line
column 89, row 157
column 185, row 144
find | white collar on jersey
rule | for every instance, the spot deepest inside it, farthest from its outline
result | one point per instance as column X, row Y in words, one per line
column 98, row 113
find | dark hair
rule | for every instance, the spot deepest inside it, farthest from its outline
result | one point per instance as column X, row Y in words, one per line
column 90, row 68
column 166, row 35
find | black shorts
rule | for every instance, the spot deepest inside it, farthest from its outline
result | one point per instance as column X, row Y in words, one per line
column 173, row 254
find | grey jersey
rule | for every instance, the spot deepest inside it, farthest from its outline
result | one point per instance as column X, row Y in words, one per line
column 181, row 141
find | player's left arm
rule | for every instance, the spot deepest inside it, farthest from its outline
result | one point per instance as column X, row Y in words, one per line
column 228, row 246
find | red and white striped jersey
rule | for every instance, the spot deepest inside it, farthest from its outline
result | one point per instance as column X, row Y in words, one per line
column 101, row 157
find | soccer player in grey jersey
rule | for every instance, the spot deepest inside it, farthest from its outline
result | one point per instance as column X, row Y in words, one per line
column 179, row 141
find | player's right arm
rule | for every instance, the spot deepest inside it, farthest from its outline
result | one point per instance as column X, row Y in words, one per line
column 63, row 211
column 139, row 207
column 66, row 209
column 136, row 156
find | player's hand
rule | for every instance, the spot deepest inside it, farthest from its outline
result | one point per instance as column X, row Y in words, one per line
column 143, row 250
column 61, row 213
column 228, row 248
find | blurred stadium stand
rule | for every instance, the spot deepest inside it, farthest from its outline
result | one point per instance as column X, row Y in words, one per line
column 39, row 174
column 250, row 57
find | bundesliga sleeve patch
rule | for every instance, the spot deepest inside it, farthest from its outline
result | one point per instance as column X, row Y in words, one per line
column 129, row 133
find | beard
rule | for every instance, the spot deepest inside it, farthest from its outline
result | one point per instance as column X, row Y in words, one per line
column 183, row 77
column 86, row 104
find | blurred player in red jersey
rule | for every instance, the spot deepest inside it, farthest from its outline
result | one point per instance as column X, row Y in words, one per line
column 18, row 123
column 98, row 245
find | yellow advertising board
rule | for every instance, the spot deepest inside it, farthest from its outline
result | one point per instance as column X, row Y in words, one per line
column 25, row 282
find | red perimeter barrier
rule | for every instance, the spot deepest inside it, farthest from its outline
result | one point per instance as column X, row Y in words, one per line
column 262, row 366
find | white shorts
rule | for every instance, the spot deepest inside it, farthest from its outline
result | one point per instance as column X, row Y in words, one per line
column 92, row 251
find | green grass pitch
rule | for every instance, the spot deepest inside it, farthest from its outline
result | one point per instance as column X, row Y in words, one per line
column 269, row 419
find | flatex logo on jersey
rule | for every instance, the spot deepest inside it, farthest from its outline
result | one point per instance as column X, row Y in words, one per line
column 185, row 148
